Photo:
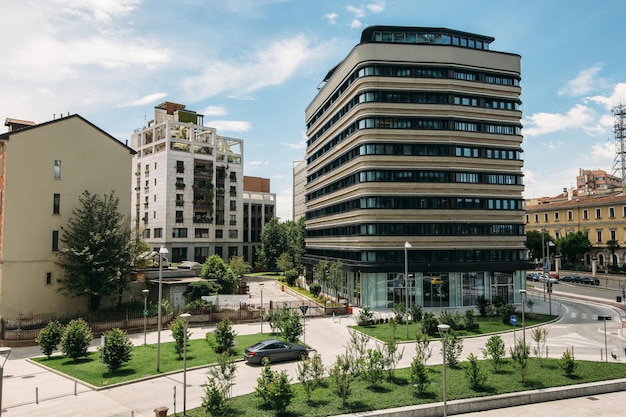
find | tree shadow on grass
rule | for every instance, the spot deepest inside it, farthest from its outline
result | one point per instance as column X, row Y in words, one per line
column 317, row 403
column 379, row 389
column 355, row 407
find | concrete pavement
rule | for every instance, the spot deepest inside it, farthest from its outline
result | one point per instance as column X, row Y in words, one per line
column 30, row 390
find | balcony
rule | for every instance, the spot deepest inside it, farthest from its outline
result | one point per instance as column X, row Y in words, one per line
column 180, row 185
column 180, row 203
column 202, row 219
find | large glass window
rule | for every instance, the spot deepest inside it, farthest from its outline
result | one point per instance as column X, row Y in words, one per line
column 436, row 289
column 473, row 287
column 502, row 287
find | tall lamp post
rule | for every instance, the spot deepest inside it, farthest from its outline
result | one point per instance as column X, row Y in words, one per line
column 185, row 316
column 145, row 313
column 4, row 353
column 261, row 285
column 407, row 245
column 523, row 294
column 162, row 251
column 550, row 243
column 444, row 329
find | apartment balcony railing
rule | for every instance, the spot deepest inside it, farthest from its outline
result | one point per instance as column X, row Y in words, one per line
column 202, row 219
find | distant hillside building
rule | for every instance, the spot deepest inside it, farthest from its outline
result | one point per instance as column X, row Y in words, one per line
column 44, row 168
column 187, row 186
column 415, row 139
column 594, row 181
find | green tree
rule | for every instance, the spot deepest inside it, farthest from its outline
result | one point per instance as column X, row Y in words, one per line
column 568, row 362
column 197, row 289
column 335, row 277
column 76, row 339
column 475, row 373
column 239, row 267
column 612, row 245
column 520, row 353
column 310, row 373
column 295, row 233
column 273, row 243
column 373, row 367
column 419, row 375
column 454, row 348
column 274, row 388
column 214, row 268
column 342, row 374
column 533, row 243
column 540, row 337
column 224, row 336
column 118, row 349
column 321, row 274
column 138, row 248
column 96, row 257
column 495, row 351
column 574, row 246
column 180, row 334
column 49, row 337
column 214, row 401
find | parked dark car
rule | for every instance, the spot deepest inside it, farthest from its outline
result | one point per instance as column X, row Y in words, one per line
column 274, row 351
column 570, row 278
column 590, row 281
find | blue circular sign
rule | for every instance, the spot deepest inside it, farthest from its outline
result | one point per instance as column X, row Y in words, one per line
column 513, row 319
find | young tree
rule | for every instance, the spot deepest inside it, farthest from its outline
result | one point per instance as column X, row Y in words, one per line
column 373, row 367
column 179, row 327
column 454, row 348
column 284, row 262
column 294, row 233
column 335, row 277
column 215, row 268
column 76, row 338
column 568, row 362
column 308, row 373
column 520, row 354
column 239, row 267
column 224, row 336
column 423, row 350
column 495, row 350
column 49, row 337
column 419, row 375
column 118, row 349
column 274, row 389
column 342, row 375
column 475, row 373
column 224, row 373
column 540, row 337
column 321, row 273
column 96, row 260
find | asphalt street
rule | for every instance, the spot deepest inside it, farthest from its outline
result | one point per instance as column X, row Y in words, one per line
column 30, row 390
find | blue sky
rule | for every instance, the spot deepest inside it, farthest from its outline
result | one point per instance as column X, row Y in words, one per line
column 252, row 66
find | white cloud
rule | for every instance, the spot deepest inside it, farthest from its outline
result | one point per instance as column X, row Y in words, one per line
column 297, row 145
column 376, row 7
column 602, row 151
column 229, row 125
column 357, row 11
column 102, row 10
column 214, row 111
column 331, row 18
column 618, row 96
column 577, row 117
column 355, row 24
column 256, row 164
column 584, row 83
column 151, row 98
column 266, row 67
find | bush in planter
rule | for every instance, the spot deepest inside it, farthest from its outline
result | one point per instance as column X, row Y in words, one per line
column 76, row 339
column 49, row 337
column 315, row 289
column 291, row 277
column 118, row 349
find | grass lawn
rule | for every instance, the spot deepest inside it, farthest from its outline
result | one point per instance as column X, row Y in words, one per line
column 363, row 397
column 489, row 325
column 143, row 361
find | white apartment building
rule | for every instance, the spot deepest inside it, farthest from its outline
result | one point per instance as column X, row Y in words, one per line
column 188, row 186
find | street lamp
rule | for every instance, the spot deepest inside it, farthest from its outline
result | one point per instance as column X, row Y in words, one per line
column 4, row 353
column 261, row 285
column 145, row 313
column 523, row 294
column 162, row 251
column 407, row 245
column 444, row 329
column 185, row 316
column 550, row 243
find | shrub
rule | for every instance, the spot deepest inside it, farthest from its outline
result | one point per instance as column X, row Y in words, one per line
column 224, row 336
column 49, row 337
column 180, row 333
column 373, row 367
column 429, row 324
column 520, row 354
column 423, row 350
column 199, row 306
column 274, row 389
column 453, row 319
column 310, row 373
column 454, row 348
column 495, row 350
column 315, row 289
column 482, row 304
column 342, row 374
column 197, row 289
column 416, row 313
column 118, row 349
column 291, row 276
column 568, row 362
column 399, row 311
column 475, row 373
column 365, row 317
column 505, row 311
column 214, row 401
column 76, row 339
column 469, row 320
column 419, row 375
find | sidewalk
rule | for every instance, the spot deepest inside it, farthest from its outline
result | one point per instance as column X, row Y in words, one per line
column 26, row 383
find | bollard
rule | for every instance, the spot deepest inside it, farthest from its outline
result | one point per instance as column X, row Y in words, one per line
column 160, row 412
column 36, row 395
column 75, row 387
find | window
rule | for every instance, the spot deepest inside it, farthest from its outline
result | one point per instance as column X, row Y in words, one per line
column 201, row 233
column 613, row 234
column 233, row 219
column 585, row 214
column 232, row 234
column 179, row 216
column 233, row 205
column 55, row 240
column 612, row 212
column 598, row 213
column 179, row 232
column 219, row 233
column 556, row 216
column 146, row 233
column 599, row 236
column 180, row 167
column 56, row 204
column 536, row 218
column 179, row 200
column 57, row 169
column 158, row 232
column 570, row 215
column 545, row 217
column 48, row 278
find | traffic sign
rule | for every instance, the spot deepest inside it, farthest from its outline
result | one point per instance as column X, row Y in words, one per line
column 513, row 319
column 304, row 309
column 604, row 318
column 145, row 313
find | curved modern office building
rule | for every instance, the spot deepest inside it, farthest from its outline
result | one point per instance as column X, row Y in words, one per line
column 414, row 163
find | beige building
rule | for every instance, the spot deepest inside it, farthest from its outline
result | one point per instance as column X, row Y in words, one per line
column 259, row 207
column 299, row 190
column 594, row 181
column 43, row 170
column 602, row 217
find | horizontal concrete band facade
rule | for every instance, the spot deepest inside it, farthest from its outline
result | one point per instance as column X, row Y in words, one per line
column 472, row 405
